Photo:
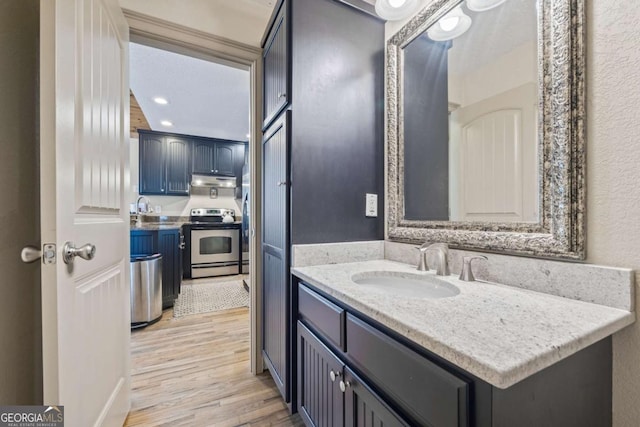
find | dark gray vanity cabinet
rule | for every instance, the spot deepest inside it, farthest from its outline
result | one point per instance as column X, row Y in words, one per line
column 332, row 395
column 323, row 95
column 276, row 67
column 386, row 379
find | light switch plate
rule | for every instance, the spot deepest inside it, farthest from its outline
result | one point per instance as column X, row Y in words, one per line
column 371, row 205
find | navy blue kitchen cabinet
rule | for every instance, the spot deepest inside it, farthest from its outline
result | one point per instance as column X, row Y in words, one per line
column 152, row 166
column 168, row 243
column 214, row 156
column 353, row 371
column 168, row 160
column 178, row 163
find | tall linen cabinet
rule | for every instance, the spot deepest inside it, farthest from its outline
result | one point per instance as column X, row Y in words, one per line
column 323, row 150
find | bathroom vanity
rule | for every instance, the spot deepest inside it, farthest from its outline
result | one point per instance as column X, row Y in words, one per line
column 486, row 355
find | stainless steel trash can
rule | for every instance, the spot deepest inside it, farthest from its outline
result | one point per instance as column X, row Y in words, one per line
column 146, row 289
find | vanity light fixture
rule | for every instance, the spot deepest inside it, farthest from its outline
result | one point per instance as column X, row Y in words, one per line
column 166, row 123
column 450, row 26
column 483, row 5
column 160, row 100
column 393, row 10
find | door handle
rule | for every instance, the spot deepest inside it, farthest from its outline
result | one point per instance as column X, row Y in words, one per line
column 30, row 254
column 281, row 183
column 70, row 252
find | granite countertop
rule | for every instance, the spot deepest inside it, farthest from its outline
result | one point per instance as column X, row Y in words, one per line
column 158, row 226
column 498, row 333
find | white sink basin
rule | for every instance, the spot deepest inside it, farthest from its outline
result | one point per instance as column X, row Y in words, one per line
column 406, row 284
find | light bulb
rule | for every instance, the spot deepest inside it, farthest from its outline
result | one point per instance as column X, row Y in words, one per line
column 449, row 23
column 397, row 3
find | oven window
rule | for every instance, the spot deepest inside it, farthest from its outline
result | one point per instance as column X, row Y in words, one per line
column 215, row 245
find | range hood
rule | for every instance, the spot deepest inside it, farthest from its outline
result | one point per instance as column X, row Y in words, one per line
column 213, row 181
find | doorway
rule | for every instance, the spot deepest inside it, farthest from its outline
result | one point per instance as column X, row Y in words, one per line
column 163, row 35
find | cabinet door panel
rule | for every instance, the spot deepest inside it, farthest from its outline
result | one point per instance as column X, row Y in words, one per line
column 276, row 68
column 426, row 392
column 320, row 401
column 178, row 158
column 168, row 246
column 203, row 157
column 152, row 164
column 362, row 407
column 275, row 256
column 224, row 159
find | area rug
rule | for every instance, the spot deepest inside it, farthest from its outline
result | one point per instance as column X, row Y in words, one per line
column 208, row 297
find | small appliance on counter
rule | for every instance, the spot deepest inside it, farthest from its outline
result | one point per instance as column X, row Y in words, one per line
column 213, row 246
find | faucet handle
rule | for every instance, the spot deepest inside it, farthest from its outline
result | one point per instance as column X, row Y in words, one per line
column 422, row 264
column 467, row 273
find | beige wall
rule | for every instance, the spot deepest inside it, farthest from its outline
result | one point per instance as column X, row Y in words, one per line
column 240, row 20
column 20, row 352
column 613, row 171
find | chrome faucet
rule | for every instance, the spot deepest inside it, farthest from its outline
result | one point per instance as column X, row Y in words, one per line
column 443, row 253
column 148, row 202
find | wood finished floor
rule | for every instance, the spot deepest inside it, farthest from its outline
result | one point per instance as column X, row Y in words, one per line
column 194, row 371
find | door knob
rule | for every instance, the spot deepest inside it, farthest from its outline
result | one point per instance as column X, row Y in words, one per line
column 70, row 252
column 344, row 385
column 333, row 375
column 30, row 254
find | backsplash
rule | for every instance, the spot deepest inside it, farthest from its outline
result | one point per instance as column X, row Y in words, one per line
column 612, row 287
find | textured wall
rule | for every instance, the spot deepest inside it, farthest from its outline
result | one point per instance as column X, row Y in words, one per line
column 20, row 353
column 613, row 172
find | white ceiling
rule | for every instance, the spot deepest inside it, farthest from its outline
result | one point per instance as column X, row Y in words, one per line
column 492, row 34
column 205, row 98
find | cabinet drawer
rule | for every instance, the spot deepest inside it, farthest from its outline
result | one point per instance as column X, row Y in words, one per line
column 428, row 393
column 326, row 317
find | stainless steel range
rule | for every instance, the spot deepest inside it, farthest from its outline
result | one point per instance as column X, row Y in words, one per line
column 213, row 246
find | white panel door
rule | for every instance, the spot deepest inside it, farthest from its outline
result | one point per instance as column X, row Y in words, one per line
column 491, row 160
column 84, row 172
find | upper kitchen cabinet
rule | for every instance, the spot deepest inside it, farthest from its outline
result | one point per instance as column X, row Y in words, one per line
column 178, row 161
column 168, row 160
column 276, row 67
column 211, row 156
column 152, row 163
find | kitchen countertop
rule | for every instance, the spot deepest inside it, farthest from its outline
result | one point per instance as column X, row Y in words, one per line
column 500, row 334
column 166, row 225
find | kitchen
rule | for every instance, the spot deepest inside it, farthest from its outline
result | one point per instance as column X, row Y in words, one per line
column 189, row 172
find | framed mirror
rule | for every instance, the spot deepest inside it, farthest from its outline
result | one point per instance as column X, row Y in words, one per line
column 485, row 127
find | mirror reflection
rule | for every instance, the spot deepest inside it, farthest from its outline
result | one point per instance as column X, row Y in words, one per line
column 469, row 110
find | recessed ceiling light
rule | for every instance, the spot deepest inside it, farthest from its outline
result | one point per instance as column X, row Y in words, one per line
column 166, row 123
column 450, row 26
column 483, row 5
column 160, row 100
column 393, row 10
